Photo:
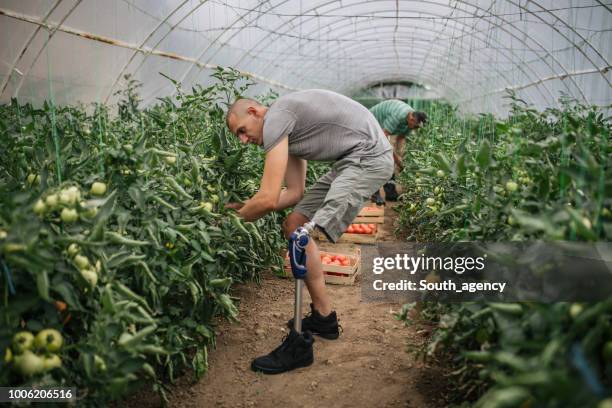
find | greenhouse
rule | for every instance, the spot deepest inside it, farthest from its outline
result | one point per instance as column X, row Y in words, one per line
column 182, row 178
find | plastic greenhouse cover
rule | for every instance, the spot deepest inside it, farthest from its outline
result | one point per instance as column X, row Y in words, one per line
column 468, row 52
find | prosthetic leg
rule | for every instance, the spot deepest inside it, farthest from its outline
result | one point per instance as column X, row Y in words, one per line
column 296, row 349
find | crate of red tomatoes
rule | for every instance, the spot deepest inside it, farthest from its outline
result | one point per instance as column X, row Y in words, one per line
column 356, row 233
column 339, row 267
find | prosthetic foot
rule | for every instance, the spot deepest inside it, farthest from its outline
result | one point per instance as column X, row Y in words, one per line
column 296, row 349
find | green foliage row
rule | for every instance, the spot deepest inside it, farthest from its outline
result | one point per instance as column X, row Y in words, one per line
column 534, row 176
column 113, row 230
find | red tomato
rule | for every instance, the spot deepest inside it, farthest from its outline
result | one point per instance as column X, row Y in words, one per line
column 372, row 226
column 335, row 263
column 367, row 230
column 340, row 257
column 350, row 229
column 346, row 262
column 326, row 259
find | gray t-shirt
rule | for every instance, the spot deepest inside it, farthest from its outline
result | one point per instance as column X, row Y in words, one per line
column 323, row 125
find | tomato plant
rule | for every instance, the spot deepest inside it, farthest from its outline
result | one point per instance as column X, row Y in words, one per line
column 535, row 175
column 120, row 220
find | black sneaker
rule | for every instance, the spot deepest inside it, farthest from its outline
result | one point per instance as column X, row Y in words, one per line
column 390, row 191
column 294, row 352
column 326, row 327
column 377, row 198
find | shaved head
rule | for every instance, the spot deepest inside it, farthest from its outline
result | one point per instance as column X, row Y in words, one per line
column 245, row 118
column 239, row 108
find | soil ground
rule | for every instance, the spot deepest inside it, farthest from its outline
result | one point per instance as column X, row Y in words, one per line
column 368, row 366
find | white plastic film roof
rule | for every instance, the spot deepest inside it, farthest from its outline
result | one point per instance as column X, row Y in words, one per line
column 468, row 52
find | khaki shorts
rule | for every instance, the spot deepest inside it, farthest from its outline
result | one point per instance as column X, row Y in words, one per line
column 334, row 201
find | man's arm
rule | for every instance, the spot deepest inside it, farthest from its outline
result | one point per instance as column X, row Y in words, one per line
column 295, row 179
column 396, row 158
column 266, row 199
column 399, row 145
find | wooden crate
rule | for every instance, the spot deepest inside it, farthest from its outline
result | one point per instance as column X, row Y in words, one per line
column 371, row 214
column 336, row 274
column 351, row 238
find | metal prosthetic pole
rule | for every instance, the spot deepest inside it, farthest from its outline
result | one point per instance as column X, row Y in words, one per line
column 297, row 255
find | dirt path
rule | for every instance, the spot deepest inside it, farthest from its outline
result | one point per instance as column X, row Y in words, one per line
column 366, row 367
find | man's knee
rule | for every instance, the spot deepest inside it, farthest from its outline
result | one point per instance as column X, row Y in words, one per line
column 293, row 221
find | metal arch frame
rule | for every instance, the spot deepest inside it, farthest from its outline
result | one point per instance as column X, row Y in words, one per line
column 464, row 24
column 36, row 30
column 509, row 60
column 575, row 32
column 161, row 23
column 499, row 27
column 215, row 41
column 42, row 48
column 131, row 46
column 568, row 74
column 433, row 77
column 531, row 49
column 163, row 38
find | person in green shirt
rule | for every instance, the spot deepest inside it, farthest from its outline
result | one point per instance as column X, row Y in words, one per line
column 396, row 118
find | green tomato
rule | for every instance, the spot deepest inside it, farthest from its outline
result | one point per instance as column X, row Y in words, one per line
column 207, row 206
column 40, row 207
column 91, row 212
column 90, row 276
column 73, row 249
column 81, row 261
column 33, row 178
column 22, row 341
column 437, row 190
column 3, row 234
column 98, row 188
column 128, row 148
column 511, row 186
column 170, row 159
column 440, row 173
column 51, row 362
column 49, row 339
column 67, row 197
column 430, row 201
column 214, row 198
column 75, row 192
column 511, row 220
column 575, row 310
column 29, row 364
column 69, row 215
column 99, row 363
column 52, row 201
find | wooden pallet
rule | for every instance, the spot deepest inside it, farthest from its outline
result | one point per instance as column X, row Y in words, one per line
column 336, row 274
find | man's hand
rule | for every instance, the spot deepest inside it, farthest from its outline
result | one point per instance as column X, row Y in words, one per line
column 234, row 206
